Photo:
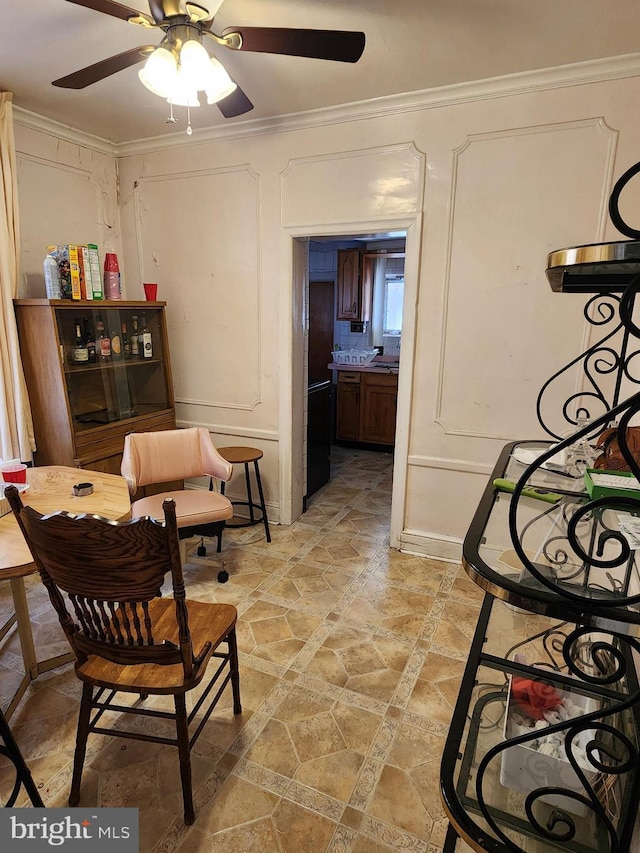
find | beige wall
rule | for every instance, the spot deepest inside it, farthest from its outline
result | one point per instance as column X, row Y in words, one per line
column 67, row 194
column 485, row 187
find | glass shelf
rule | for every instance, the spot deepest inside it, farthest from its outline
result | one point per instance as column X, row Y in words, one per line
column 501, row 792
column 115, row 389
column 560, row 540
column 113, row 365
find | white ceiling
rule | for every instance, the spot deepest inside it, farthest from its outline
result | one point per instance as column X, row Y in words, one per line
column 411, row 45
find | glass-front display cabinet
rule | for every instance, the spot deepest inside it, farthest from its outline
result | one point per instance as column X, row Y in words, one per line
column 95, row 371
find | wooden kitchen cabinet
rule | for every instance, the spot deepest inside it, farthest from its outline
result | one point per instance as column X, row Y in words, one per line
column 378, row 407
column 366, row 407
column 348, row 406
column 348, row 285
column 354, row 289
column 81, row 410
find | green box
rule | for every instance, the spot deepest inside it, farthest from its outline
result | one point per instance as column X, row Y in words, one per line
column 605, row 491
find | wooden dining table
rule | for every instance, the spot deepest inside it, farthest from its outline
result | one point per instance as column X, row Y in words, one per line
column 50, row 488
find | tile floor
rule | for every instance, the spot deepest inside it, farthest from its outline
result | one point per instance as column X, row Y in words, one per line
column 350, row 660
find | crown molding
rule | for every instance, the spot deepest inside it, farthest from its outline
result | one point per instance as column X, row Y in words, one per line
column 525, row 82
column 580, row 73
column 63, row 131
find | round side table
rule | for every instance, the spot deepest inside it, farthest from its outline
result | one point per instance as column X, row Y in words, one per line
column 244, row 456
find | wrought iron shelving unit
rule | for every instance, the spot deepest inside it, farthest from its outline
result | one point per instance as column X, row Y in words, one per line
column 562, row 604
column 567, row 629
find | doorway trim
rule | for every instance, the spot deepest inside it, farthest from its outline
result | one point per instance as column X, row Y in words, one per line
column 292, row 391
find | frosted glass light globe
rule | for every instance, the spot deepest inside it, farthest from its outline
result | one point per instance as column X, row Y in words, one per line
column 194, row 61
column 159, row 72
column 218, row 84
column 182, row 93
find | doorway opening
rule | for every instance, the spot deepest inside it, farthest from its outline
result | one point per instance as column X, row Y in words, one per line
column 353, row 306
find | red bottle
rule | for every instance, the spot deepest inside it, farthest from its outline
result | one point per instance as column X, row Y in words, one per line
column 111, row 277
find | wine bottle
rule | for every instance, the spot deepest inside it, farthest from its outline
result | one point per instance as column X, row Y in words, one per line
column 103, row 341
column 145, row 340
column 135, row 340
column 90, row 341
column 126, row 342
column 79, row 353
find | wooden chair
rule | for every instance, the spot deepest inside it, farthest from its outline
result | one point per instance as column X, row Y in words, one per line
column 104, row 579
column 10, row 751
column 178, row 454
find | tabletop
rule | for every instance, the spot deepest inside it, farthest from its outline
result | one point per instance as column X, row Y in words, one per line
column 50, row 489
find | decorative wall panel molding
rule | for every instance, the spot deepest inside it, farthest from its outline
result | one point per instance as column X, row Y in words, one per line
column 83, row 221
column 444, row 464
column 216, row 250
column 503, row 331
column 232, row 430
column 348, row 186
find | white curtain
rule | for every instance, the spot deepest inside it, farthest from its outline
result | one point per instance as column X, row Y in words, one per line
column 16, row 426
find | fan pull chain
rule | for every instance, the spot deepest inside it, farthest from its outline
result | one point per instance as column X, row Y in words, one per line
column 171, row 119
column 189, row 128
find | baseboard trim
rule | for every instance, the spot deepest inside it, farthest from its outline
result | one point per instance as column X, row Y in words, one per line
column 443, row 548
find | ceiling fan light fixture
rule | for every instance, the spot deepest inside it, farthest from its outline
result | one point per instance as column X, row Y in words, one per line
column 218, row 84
column 182, row 93
column 160, row 72
column 194, row 62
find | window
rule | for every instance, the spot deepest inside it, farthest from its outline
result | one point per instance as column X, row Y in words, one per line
column 386, row 272
column 393, row 297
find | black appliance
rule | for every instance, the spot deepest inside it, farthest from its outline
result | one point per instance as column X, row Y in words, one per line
column 318, row 435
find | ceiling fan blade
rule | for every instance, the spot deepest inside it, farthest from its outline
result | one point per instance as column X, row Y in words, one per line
column 110, row 7
column 235, row 104
column 337, row 45
column 93, row 73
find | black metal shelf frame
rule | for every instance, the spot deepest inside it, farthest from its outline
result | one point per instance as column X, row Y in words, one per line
column 487, row 827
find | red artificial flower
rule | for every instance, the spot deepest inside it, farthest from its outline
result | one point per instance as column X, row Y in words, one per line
column 534, row 697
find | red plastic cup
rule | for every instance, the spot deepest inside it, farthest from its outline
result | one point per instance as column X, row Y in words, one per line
column 111, row 262
column 14, row 473
column 150, row 292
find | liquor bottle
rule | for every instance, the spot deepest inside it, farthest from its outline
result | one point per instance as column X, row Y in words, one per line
column 79, row 353
column 145, row 340
column 103, row 341
column 116, row 345
column 126, row 342
column 90, row 341
column 135, row 340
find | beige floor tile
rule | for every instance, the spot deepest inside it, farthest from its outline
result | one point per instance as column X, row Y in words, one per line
column 334, row 775
column 238, row 802
column 259, row 835
column 364, row 844
column 300, row 704
column 397, row 802
column 300, row 829
column 427, row 701
column 333, row 626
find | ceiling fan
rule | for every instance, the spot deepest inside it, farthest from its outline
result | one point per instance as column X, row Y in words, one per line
column 185, row 22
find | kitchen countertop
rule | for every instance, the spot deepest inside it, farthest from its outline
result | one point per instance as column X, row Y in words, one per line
column 374, row 367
